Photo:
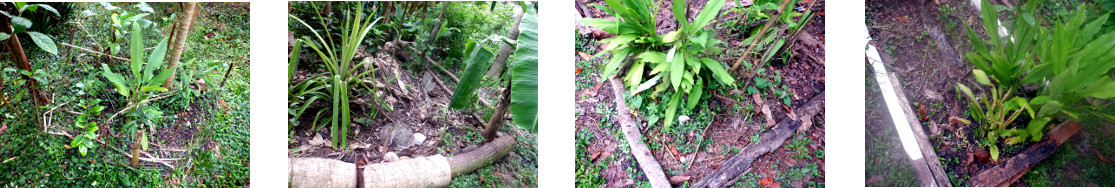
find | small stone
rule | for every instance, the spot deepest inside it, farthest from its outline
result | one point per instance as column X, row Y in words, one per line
column 418, row 139
column 390, row 157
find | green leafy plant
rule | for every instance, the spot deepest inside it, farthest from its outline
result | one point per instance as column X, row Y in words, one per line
column 343, row 72
column 1004, row 58
column 124, row 18
column 999, row 110
column 523, row 94
column 1075, row 63
column 85, row 140
column 136, row 86
column 21, row 24
column 680, row 67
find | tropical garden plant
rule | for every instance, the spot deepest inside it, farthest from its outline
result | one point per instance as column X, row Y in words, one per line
column 85, row 140
column 343, row 74
column 1070, row 63
column 521, row 95
column 689, row 51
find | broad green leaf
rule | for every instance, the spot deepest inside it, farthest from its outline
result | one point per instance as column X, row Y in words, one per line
column 679, row 10
column 613, row 64
column 524, row 76
column 695, row 94
column 990, row 21
column 152, row 88
column 718, row 71
column 137, row 50
column 116, row 79
column 159, row 79
column 1035, row 128
column 49, row 8
column 1039, row 100
column 672, row 109
column 4, row 36
column 671, row 36
column 477, row 62
column 677, row 67
column 712, row 8
column 605, row 25
column 635, row 75
column 1050, row 108
column 143, row 141
column 980, row 77
column 646, row 85
column 20, row 24
column 155, row 61
column 1103, row 91
column 44, row 42
column 994, row 153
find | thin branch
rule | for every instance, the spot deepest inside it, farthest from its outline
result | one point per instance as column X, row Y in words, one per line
column 94, row 52
column 137, row 104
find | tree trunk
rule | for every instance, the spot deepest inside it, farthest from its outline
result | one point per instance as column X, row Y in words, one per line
column 437, row 26
column 497, row 118
column 20, row 59
column 432, row 171
column 504, row 49
column 185, row 20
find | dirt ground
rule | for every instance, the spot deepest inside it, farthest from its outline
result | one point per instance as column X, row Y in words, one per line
column 727, row 131
column 901, row 29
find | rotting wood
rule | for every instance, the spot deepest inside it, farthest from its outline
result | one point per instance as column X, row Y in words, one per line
column 1011, row 169
column 432, row 171
column 630, row 128
column 482, row 156
column 496, row 121
column 769, row 140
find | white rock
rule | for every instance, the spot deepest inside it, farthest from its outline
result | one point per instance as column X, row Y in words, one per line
column 683, row 119
column 390, row 157
column 418, row 139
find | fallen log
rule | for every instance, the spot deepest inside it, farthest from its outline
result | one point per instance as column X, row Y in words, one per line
column 1009, row 171
column 432, row 171
column 769, row 140
column 630, row 127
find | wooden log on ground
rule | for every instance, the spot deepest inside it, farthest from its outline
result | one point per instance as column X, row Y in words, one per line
column 630, row 128
column 922, row 156
column 768, row 141
column 1009, row 171
column 432, row 171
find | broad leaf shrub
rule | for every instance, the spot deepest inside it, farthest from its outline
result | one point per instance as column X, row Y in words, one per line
column 523, row 74
column 680, row 59
column 1069, row 62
